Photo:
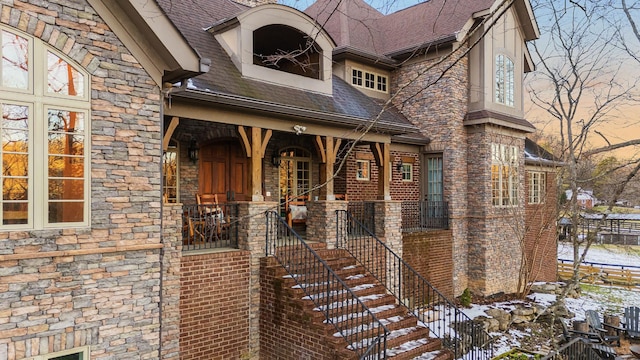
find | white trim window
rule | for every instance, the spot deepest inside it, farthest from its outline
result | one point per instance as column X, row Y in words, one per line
column 407, row 172
column 362, row 170
column 504, row 175
column 372, row 81
column 505, row 80
column 45, row 136
column 80, row 353
column 537, row 187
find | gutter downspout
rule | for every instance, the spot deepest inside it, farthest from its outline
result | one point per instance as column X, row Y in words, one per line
column 161, row 255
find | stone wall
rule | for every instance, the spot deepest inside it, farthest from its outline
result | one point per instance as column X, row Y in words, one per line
column 97, row 285
column 214, row 305
column 430, row 254
column 438, row 109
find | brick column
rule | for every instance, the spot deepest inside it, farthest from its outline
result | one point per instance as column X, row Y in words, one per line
column 172, row 248
column 321, row 221
column 388, row 222
column 252, row 235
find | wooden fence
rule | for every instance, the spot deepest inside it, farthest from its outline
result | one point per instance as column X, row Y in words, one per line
column 604, row 274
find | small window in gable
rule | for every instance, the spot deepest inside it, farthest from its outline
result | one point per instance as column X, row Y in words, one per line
column 284, row 48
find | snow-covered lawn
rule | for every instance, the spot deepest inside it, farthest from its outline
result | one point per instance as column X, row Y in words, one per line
column 607, row 254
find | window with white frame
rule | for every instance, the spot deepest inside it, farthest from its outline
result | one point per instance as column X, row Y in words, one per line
column 80, row 353
column 505, row 85
column 407, row 172
column 372, row 80
column 504, row 175
column 45, row 136
column 362, row 169
column 537, row 187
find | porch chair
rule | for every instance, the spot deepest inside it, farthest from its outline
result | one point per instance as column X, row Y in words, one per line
column 211, row 219
column 600, row 328
column 590, row 339
column 632, row 321
column 342, row 197
column 295, row 209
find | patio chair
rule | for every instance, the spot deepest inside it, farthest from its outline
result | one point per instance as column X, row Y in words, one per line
column 296, row 209
column 632, row 321
column 211, row 220
column 588, row 339
column 598, row 327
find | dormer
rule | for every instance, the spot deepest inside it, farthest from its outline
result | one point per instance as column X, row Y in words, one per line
column 279, row 45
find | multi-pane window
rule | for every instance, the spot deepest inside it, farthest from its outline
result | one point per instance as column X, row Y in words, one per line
column 407, row 172
column 504, row 175
column 371, row 80
column 170, row 173
column 362, row 169
column 537, row 187
column 45, row 136
column 356, row 77
column 505, row 86
column 382, row 83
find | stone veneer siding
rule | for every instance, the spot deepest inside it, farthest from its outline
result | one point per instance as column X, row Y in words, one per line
column 214, row 305
column 541, row 244
column 496, row 233
column 430, row 254
column 439, row 110
column 99, row 285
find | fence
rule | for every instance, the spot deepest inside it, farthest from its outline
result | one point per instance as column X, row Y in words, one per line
column 423, row 215
column 604, row 274
column 209, row 226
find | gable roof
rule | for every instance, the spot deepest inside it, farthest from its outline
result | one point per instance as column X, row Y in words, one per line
column 355, row 24
column 225, row 85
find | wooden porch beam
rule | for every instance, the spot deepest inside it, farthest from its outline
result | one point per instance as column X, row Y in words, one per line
column 167, row 136
column 382, row 156
column 265, row 142
column 320, row 148
column 246, row 144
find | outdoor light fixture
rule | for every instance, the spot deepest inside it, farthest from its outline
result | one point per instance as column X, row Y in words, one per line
column 193, row 151
column 399, row 167
column 299, row 129
column 275, row 160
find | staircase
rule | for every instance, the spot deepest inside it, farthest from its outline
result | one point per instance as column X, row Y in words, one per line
column 406, row 338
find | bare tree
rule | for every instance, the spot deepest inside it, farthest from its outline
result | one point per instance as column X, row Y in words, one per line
column 581, row 85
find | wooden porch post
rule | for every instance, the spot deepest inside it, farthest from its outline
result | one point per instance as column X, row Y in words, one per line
column 382, row 156
column 255, row 148
column 328, row 150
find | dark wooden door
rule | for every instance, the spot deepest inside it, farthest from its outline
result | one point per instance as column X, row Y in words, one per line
column 224, row 170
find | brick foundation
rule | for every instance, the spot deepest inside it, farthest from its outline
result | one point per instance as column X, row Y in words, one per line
column 430, row 254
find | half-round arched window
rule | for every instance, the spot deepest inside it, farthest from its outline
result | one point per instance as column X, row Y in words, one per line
column 287, row 49
column 45, row 136
column 505, row 79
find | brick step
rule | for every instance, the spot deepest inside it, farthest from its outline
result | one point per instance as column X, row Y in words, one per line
column 380, row 312
column 371, row 330
column 348, row 304
column 359, row 285
column 406, row 343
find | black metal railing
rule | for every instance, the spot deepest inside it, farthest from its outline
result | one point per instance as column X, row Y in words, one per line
column 209, row 226
column 365, row 212
column 424, row 215
column 360, row 328
column 459, row 333
column 576, row 349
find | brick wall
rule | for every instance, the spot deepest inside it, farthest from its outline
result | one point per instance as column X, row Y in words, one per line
column 360, row 190
column 96, row 285
column 287, row 332
column 541, row 237
column 214, row 305
column 430, row 253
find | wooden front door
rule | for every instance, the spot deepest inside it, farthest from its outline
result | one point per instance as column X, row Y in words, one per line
column 224, row 170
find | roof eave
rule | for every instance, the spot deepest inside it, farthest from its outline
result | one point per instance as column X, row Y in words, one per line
column 424, row 47
column 265, row 107
column 351, row 53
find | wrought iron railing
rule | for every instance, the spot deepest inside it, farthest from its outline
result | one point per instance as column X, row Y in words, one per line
column 352, row 319
column 209, row 226
column 576, row 349
column 424, row 215
column 459, row 333
column 365, row 212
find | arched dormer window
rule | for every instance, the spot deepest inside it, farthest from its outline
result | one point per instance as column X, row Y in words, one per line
column 284, row 48
column 505, row 79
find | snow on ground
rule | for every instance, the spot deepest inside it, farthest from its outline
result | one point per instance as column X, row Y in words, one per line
column 604, row 299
